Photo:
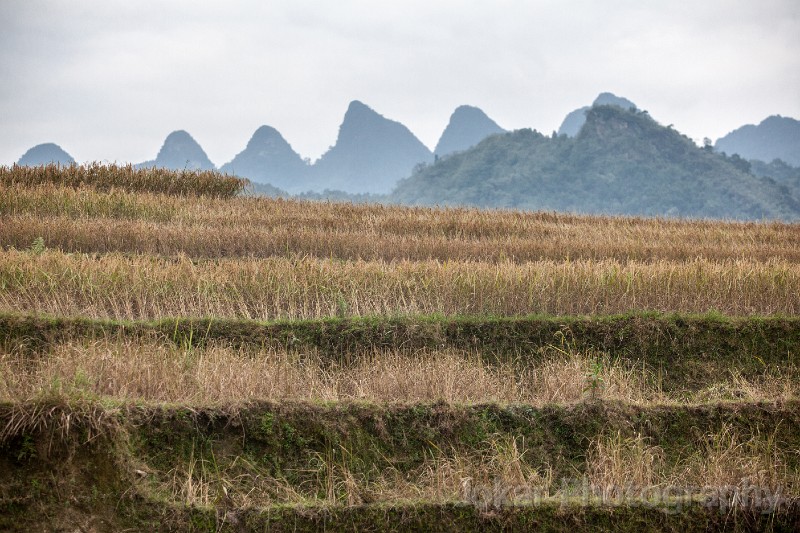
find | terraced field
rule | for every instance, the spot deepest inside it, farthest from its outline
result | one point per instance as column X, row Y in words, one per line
column 175, row 355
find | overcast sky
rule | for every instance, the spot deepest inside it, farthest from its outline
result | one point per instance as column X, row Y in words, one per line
column 108, row 80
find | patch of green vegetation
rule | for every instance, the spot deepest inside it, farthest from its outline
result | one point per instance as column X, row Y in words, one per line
column 402, row 436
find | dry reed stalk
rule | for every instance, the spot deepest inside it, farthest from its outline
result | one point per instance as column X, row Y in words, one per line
column 331, row 479
column 728, row 458
column 146, row 287
column 614, row 462
column 721, row 459
column 774, row 383
column 47, row 201
column 120, row 234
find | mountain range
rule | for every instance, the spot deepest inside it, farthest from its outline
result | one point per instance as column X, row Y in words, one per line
column 373, row 156
column 622, row 162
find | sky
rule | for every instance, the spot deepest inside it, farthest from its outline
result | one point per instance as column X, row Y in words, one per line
column 108, row 80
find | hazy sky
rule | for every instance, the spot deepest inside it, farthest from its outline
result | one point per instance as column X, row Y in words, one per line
column 108, row 80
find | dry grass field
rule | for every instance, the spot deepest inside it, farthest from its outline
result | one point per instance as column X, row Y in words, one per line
column 176, row 355
column 86, row 219
column 157, row 370
column 143, row 286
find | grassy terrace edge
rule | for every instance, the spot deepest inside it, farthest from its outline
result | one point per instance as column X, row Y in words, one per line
column 684, row 348
column 103, row 446
column 420, row 516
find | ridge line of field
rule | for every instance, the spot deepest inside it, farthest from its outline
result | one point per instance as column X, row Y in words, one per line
column 146, row 287
column 295, row 428
column 678, row 352
column 213, row 241
column 461, row 516
column 645, row 333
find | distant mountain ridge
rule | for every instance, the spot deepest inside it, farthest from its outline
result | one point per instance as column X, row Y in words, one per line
column 370, row 156
column 776, row 137
column 467, row 127
column 43, row 154
column 609, row 159
column 621, row 162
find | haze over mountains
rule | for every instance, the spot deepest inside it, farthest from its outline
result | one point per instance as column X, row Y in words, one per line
column 42, row 154
column 467, row 127
column 371, row 154
column 268, row 158
column 180, row 151
column 606, row 158
column 776, row 137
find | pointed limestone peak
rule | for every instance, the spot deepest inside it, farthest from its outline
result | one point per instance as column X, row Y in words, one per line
column 269, row 159
column 270, row 139
column 467, row 127
column 366, row 126
column 357, row 107
column 371, row 153
column 180, row 151
column 43, row 154
column 361, row 118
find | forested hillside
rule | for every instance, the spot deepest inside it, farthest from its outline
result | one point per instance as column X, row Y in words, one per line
column 621, row 162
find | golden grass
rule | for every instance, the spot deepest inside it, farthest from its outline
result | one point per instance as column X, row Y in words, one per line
column 444, row 476
column 154, row 370
column 614, row 461
column 722, row 459
column 84, row 219
column 216, row 375
column 44, row 201
column 126, row 177
column 145, row 287
column 619, row 468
